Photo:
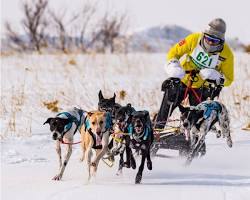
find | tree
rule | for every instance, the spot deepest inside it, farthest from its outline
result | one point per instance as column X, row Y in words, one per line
column 35, row 23
column 110, row 28
column 86, row 15
column 15, row 40
column 62, row 25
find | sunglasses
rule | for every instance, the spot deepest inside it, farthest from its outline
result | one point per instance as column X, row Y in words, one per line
column 213, row 40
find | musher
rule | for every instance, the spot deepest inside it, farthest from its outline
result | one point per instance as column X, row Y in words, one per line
column 206, row 58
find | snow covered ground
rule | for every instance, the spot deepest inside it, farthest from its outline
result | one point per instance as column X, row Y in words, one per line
column 28, row 157
column 29, row 164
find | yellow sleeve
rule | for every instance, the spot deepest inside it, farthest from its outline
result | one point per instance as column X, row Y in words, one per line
column 185, row 46
column 227, row 69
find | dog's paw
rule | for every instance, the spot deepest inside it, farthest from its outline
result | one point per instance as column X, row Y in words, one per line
column 127, row 164
column 149, row 165
column 119, row 173
column 81, row 159
column 138, row 179
column 218, row 134
column 229, row 143
column 93, row 164
column 133, row 163
column 57, row 177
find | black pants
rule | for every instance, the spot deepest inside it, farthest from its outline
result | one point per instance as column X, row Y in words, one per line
column 174, row 91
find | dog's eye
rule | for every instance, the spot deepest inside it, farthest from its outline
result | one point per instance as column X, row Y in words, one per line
column 93, row 123
column 101, row 122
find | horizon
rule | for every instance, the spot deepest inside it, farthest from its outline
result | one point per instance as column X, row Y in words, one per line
column 164, row 13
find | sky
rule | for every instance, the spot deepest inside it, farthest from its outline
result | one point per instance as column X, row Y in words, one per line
column 191, row 14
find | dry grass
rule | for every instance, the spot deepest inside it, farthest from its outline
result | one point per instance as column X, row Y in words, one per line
column 52, row 106
column 122, row 94
column 247, row 128
column 247, row 48
column 72, row 61
column 136, row 79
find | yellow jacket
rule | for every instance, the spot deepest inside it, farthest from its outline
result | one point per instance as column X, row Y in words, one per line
column 186, row 47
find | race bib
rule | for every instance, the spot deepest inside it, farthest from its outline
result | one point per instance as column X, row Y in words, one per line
column 202, row 60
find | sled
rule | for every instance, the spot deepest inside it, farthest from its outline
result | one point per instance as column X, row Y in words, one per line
column 171, row 137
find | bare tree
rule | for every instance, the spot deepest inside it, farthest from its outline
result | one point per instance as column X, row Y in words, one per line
column 61, row 26
column 14, row 39
column 86, row 15
column 110, row 28
column 34, row 22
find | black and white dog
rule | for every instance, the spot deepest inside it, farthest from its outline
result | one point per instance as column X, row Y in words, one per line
column 63, row 128
column 197, row 121
column 141, row 137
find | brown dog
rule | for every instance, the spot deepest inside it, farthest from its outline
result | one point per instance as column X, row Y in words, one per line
column 95, row 135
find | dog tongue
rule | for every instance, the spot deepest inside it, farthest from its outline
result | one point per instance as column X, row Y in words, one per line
column 98, row 140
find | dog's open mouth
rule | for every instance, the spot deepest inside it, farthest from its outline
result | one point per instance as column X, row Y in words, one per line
column 138, row 129
column 98, row 139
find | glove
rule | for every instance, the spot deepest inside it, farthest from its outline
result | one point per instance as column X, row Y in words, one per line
column 212, row 74
column 174, row 69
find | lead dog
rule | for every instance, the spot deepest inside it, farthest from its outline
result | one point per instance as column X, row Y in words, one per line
column 141, row 138
column 197, row 121
column 63, row 128
column 95, row 135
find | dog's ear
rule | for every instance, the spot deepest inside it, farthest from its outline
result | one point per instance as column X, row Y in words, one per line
column 183, row 109
column 100, row 95
column 114, row 97
column 48, row 121
column 146, row 114
column 89, row 114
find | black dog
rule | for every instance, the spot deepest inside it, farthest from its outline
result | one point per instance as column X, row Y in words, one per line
column 121, row 137
column 108, row 105
column 141, row 137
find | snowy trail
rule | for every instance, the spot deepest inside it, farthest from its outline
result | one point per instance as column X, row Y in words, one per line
column 29, row 164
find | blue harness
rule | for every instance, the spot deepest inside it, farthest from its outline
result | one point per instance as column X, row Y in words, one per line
column 209, row 107
column 145, row 132
column 107, row 127
column 72, row 120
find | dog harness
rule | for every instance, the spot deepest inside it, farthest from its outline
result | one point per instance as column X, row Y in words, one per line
column 72, row 119
column 108, row 126
column 208, row 107
column 144, row 134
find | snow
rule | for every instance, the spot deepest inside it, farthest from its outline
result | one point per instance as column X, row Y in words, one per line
column 29, row 164
column 28, row 156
